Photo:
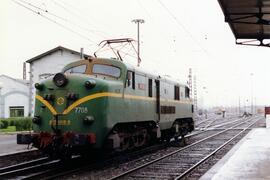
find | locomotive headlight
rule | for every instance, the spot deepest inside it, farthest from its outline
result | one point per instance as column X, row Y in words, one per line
column 39, row 86
column 89, row 84
column 60, row 80
column 36, row 120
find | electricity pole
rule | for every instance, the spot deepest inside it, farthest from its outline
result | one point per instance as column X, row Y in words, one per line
column 138, row 21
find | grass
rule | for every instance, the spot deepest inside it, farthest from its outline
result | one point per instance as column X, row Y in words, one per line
column 9, row 129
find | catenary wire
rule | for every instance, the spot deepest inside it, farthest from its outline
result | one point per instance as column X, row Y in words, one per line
column 61, row 18
column 55, row 22
column 182, row 26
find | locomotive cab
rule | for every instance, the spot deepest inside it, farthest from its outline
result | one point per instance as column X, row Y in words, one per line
column 99, row 68
column 71, row 107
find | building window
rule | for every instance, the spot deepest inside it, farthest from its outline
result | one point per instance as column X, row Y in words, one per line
column 16, row 111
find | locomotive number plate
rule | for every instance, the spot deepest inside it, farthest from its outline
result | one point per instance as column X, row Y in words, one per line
column 60, row 122
column 81, row 110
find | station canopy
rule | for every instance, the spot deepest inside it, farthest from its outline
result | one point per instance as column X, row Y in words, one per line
column 249, row 20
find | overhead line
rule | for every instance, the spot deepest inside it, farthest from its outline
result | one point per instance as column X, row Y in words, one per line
column 59, row 17
column 44, row 10
column 77, row 12
column 182, row 26
column 59, row 24
column 85, row 28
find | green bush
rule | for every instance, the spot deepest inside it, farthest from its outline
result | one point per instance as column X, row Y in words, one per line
column 1, row 125
column 12, row 122
column 4, row 124
column 22, row 124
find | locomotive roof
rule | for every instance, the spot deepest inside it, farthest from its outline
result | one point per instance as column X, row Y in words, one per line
column 138, row 70
column 146, row 72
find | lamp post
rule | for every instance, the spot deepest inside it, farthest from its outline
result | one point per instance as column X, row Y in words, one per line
column 138, row 22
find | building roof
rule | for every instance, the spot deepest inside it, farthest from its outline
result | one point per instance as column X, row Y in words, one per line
column 55, row 50
column 249, row 20
column 25, row 82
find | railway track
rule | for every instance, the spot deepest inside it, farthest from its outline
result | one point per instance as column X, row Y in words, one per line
column 100, row 162
column 40, row 168
column 216, row 121
column 128, row 162
column 23, row 170
column 13, row 158
column 56, row 169
column 113, row 167
column 181, row 162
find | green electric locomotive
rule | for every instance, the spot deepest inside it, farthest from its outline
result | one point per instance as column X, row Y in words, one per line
column 107, row 104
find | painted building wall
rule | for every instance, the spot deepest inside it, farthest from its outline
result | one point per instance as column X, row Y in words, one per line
column 13, row 93
column 46, row 67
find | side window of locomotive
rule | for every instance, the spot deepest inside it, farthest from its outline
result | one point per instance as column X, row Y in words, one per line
column 176, row 93
column 130, row 79
column 77, row 69
column 106, row 70
column 150, row 87
column 187, row 91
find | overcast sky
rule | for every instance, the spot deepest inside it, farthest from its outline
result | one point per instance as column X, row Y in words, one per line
column 177, row 35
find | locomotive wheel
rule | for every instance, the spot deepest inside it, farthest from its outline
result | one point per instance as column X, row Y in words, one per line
column 140, row 139
column 125, row 145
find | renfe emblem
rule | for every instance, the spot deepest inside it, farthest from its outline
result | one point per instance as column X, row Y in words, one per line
column 60, row 101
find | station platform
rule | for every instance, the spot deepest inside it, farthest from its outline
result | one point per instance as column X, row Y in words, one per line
column 249, row 159
column 8, row 144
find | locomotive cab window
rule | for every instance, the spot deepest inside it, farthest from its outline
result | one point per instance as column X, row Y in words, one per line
column 77, row 69
column 106, row 70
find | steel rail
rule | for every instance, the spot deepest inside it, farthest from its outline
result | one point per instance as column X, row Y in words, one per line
column 51, row 173
column 206, row 120
column 18, row 153
column 23, row 165
column 174, row 152
column 226, row 123
column 215, row 120
column 214, row 152
column 29, row 169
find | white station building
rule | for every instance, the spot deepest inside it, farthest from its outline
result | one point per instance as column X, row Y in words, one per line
column 47, row 64
column 17, row 97
column 14, row 97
